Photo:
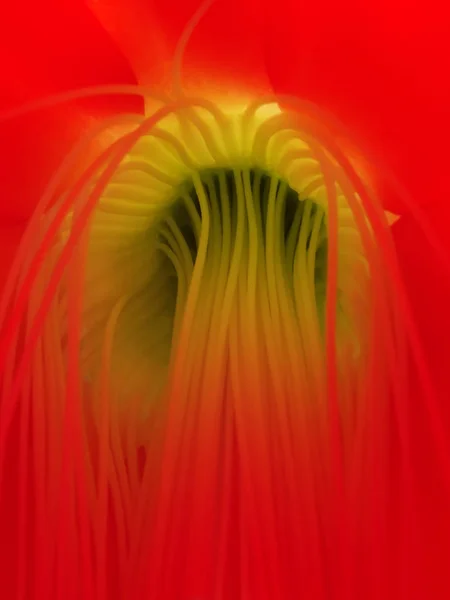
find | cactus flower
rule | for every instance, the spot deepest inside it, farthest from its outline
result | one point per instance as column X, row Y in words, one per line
column 224, row 302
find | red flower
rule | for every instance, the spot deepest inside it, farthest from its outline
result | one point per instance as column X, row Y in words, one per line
column 224, row 335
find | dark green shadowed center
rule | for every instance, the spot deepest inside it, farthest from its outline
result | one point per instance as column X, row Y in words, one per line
column 252, row 199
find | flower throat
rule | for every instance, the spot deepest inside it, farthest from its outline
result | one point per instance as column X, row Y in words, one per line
column 258, row 212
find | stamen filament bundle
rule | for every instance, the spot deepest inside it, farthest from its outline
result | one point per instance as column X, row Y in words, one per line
column 204, row 344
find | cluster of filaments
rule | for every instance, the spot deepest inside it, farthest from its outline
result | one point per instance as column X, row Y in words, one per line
column 211, row 292
column 202, row 178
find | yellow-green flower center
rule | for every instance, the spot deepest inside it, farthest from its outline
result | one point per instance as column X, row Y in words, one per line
column 207, row 195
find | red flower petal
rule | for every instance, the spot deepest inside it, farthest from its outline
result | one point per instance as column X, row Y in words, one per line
column 428, row 286
column 48, row 48
column 378, row 66
column 225, row 47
